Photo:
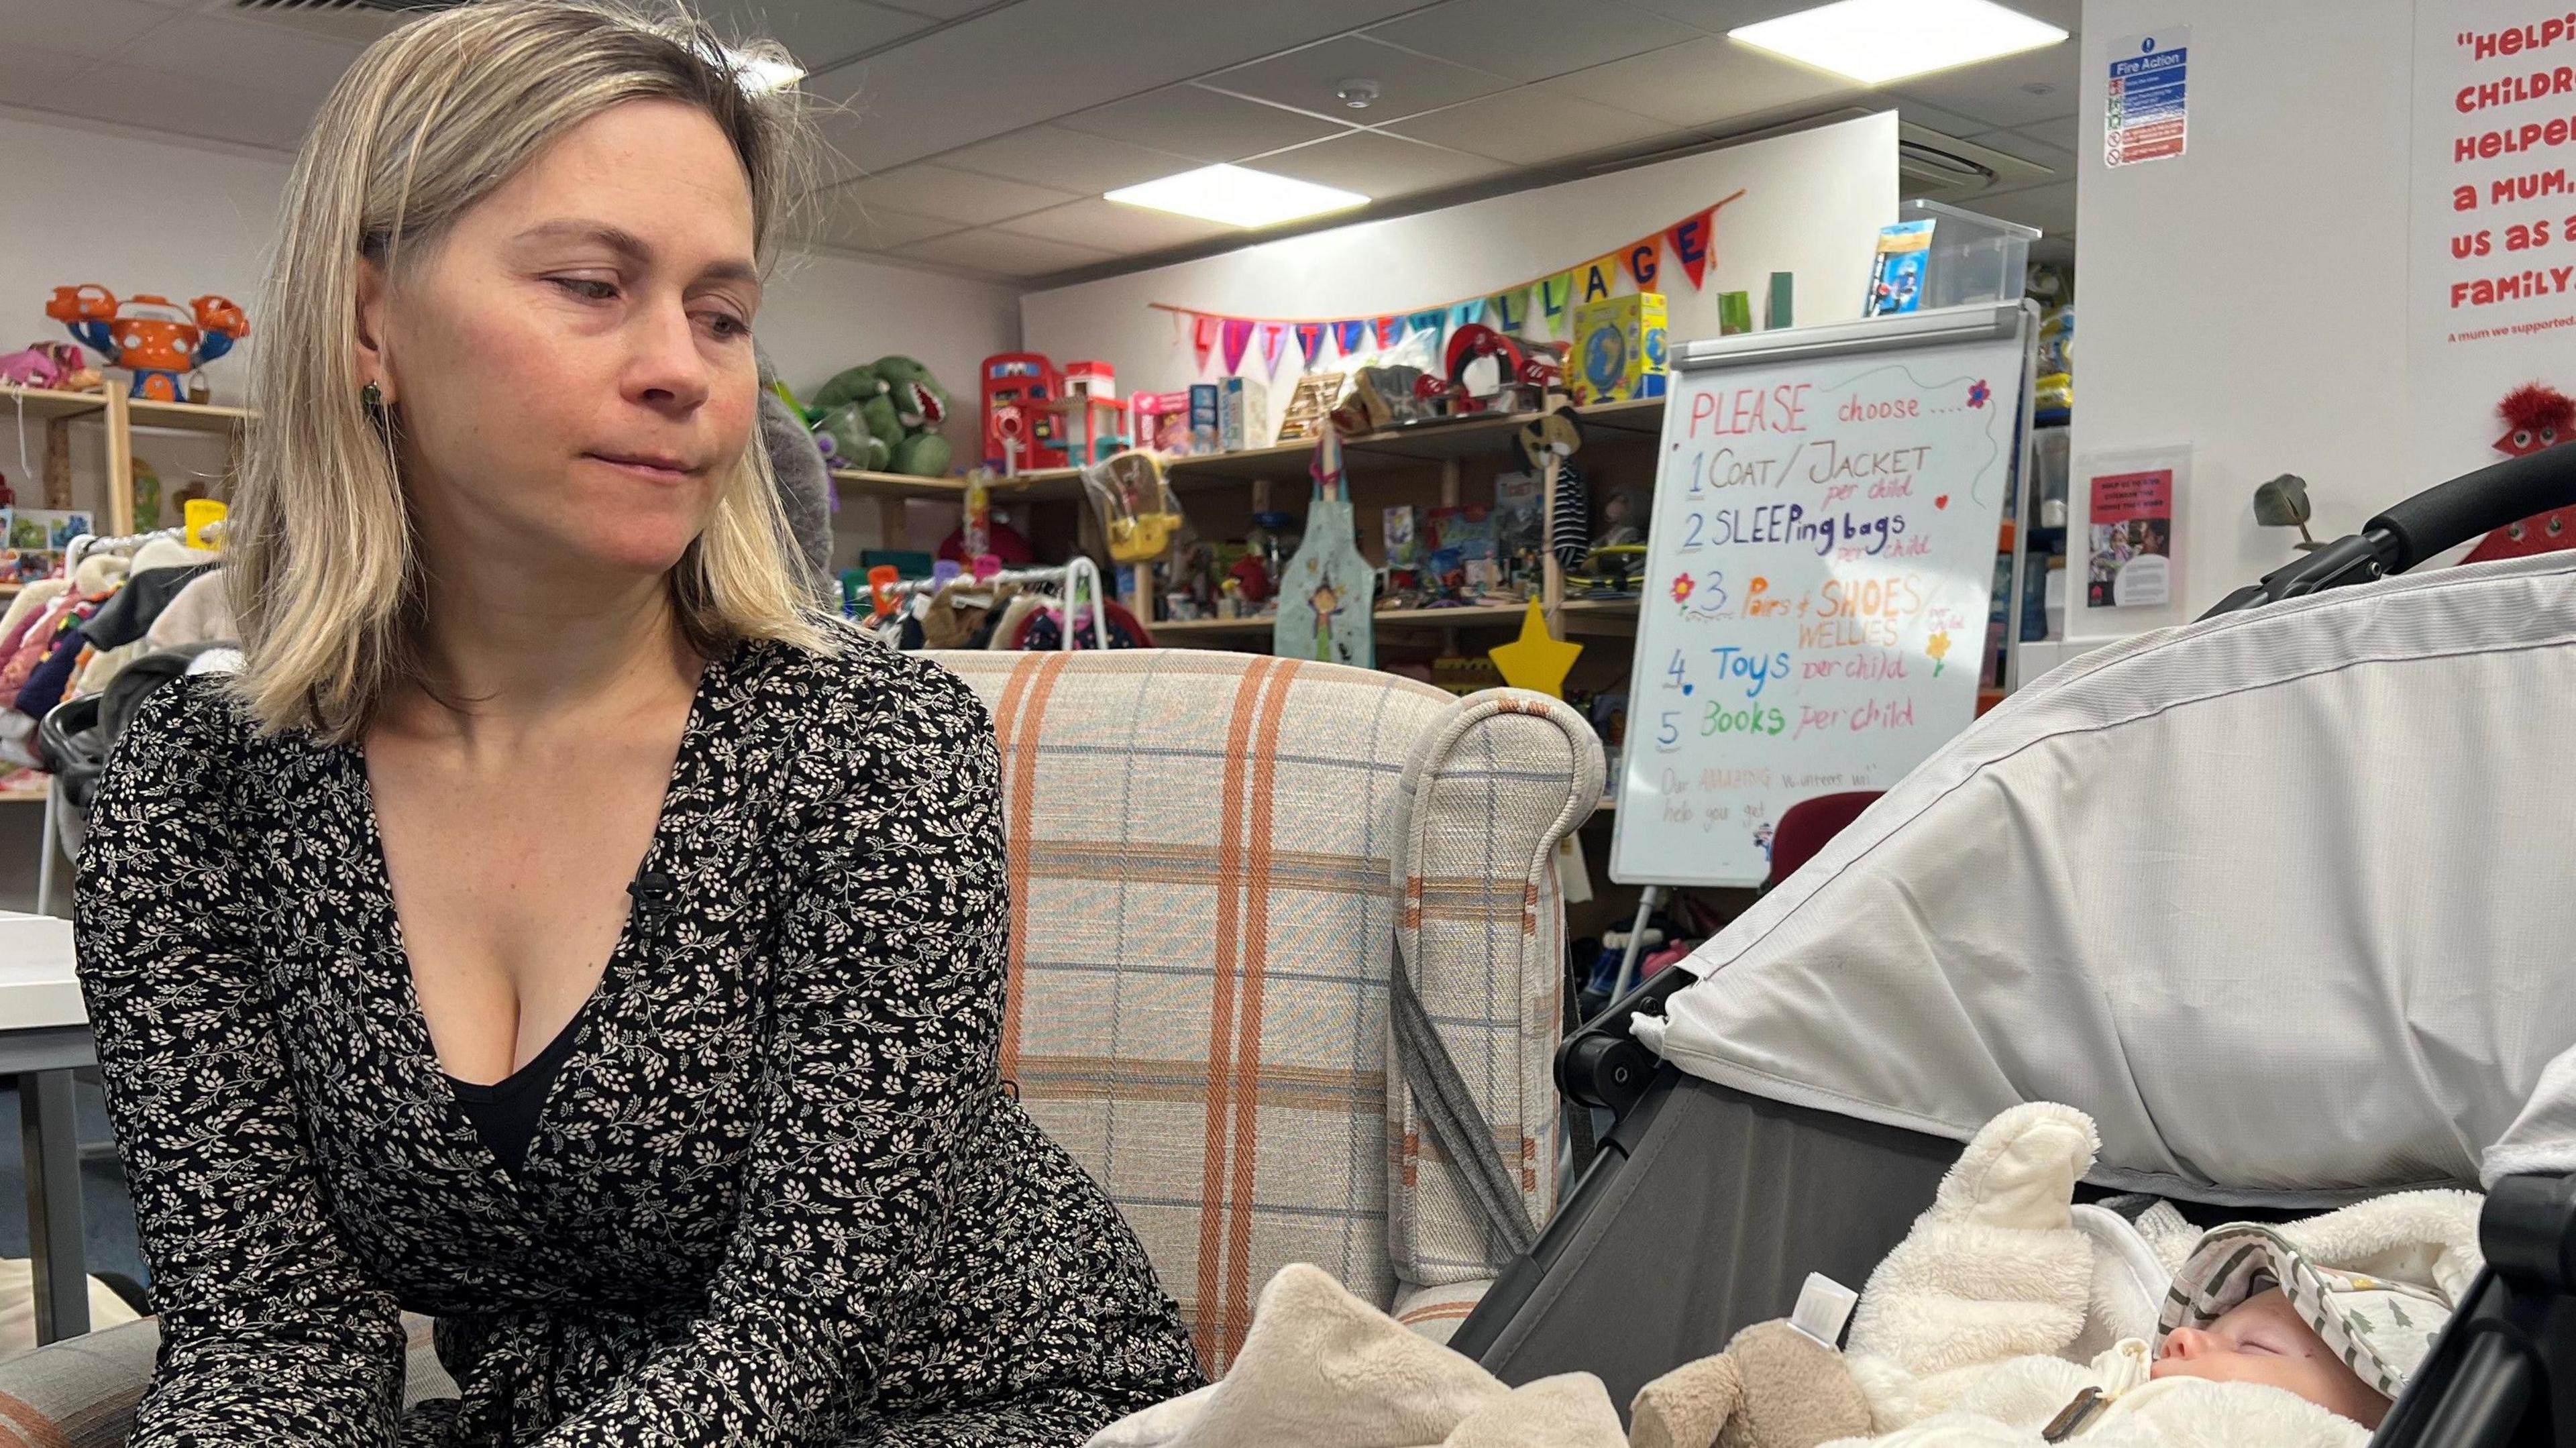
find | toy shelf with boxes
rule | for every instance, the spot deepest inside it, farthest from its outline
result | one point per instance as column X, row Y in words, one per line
column 109, row 496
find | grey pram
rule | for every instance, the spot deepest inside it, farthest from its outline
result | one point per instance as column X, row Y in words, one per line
column 2281, row 898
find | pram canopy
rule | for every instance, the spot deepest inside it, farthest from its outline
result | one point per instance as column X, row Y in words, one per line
column 2281, row 898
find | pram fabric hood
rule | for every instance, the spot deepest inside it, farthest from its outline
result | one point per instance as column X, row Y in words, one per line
column 2283, row 899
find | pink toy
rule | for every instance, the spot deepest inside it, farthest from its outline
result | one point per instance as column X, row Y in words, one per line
column 46, row 364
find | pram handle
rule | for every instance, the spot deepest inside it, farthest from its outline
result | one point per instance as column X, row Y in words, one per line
column 2436, row 519
column 2475, row 503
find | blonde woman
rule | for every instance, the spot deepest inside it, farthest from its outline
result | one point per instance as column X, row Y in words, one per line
column 556, row 929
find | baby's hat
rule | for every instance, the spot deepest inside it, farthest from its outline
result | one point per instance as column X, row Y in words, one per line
column 2375, row 1280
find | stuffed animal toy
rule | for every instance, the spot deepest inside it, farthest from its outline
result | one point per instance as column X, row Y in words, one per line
column 894, row 408
column 2535, row 418
column 1773, row 1387
column 51, row 365
column 919, row 405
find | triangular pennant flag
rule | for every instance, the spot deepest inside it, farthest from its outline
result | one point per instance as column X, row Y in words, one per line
column 1238, row 335
column 1689, row 239
column 1310, row 343
column 1350, row 337
column 1642, row 264
column 1510, row 310
column 1466, row 314
column 1434, row 322
column 1203, row 338
column 1600, row 277
column 1274, row 340
column 1555, row 294
column 1390, row 330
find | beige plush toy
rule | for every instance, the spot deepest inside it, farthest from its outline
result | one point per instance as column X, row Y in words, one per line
column 1773, row 1387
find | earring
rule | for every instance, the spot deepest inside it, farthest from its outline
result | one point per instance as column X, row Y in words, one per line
column 372, row 398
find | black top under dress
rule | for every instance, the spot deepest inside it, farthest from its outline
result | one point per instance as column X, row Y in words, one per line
column 774, row 1193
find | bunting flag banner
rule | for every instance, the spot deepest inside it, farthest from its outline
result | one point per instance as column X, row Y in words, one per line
column 1688, row 241
column 1435, row 322
column 1542, row 306
column 1310, row 342
column 1555, row 295
column 1600, row 277
column 1643, row 267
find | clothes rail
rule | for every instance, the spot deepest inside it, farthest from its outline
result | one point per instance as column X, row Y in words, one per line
column 1070, row 580
column 85, row 544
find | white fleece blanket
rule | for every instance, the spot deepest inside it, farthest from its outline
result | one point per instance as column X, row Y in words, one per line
column 2005, row 1302
column 1322, row 1369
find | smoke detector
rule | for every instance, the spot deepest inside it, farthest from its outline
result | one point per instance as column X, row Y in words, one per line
column 1358, row 93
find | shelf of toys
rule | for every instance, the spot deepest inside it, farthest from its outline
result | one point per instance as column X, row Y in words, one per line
column 145, row 378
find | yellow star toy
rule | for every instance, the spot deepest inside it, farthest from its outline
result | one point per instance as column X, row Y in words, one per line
column 1537, row 661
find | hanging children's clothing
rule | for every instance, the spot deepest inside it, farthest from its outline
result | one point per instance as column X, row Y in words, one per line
column 201, row 614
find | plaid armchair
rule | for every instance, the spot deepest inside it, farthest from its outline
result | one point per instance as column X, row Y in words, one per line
column 1213, row 857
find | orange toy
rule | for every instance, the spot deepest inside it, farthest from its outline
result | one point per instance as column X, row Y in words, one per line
column 159, row 350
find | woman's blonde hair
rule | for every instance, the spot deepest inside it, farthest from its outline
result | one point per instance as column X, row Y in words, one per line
column 324, row 572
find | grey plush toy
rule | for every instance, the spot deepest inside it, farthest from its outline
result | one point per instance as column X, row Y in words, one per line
column 804, row 483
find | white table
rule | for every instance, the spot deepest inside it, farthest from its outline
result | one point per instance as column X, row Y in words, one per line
column 44, row 1037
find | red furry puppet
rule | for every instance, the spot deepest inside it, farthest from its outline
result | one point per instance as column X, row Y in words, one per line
column 2535, row 417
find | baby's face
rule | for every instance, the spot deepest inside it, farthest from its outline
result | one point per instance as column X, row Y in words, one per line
column 2263, row 1340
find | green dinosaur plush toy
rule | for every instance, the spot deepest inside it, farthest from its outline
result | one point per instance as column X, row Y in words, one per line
column 917, row 404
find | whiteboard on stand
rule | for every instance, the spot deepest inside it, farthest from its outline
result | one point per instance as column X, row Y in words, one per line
column 1820, row 567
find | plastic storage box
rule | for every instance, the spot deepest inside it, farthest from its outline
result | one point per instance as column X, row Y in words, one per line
column 1974, row 258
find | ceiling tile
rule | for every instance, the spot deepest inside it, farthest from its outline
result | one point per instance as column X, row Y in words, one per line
column 945, row 9
column 1700, row 83
column 1408, row 84
column 1200, row 124
column 1919, row 113
column 836, row 218
column 2051, row 208
column 961, row 196
column 207, row 103
column 1379, row 166
column 1066, row 160
column 263, row 55
column 1032, row 61
column 816, row 32
column 44, row 78
column 2038, row 153
column 90, row 29
column 1004, row 254
column 1532, row 39
column 1530, row 127
column 2001, row 92
column 1113, row 226
column 2065, row 133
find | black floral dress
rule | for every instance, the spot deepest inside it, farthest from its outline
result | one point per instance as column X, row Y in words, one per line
column 778, row 1195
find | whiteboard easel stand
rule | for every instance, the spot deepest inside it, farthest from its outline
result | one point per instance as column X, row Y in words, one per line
column 1982, row 322
column 2025, row 512
column 1647, row 899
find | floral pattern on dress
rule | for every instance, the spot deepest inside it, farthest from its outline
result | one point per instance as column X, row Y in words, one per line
column 779, row 1194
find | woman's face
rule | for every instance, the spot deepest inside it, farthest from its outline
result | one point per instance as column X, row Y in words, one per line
column 573, row 364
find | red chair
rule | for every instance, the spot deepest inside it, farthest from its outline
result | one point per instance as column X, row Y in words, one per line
column 1806, row 827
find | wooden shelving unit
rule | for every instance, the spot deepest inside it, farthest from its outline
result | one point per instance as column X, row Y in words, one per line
column 122, row 416
column 1425, row 464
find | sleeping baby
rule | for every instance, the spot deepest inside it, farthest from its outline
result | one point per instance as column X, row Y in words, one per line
column 2011, row 1317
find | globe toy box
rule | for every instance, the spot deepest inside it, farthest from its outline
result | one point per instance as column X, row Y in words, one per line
column 1619, row 348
